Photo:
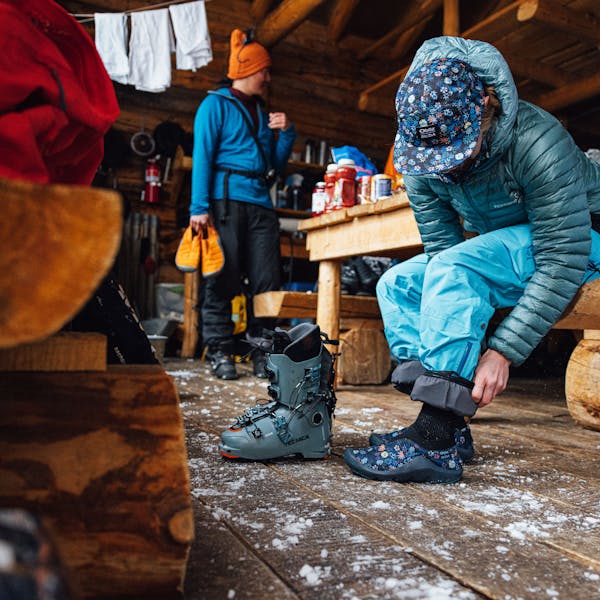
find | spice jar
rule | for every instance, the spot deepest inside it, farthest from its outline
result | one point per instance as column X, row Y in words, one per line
column 345, row 183
column 319, row 196
column 330, row 182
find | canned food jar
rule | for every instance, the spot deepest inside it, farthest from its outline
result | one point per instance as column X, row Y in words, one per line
column 381, row 187
column 330, row 181
column 364, row 189
column 346, row 183
column 319, row 196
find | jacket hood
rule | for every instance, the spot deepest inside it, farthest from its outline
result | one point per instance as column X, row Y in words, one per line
column 490, row 66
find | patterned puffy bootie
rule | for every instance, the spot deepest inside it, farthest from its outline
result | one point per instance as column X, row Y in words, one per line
column 462, row 437
column 426, row 451
column 298, row 420
column 405, row 461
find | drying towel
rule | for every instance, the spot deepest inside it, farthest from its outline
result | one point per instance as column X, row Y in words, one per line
column 150, row 50
column 111, row 43
column 193, row 49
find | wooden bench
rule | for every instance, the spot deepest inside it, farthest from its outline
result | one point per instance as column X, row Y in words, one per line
column 97, row 452
column 364, row 353
column 363, row 357
column 582, row 380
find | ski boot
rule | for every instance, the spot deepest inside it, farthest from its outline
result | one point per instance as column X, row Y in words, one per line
column 298, row 419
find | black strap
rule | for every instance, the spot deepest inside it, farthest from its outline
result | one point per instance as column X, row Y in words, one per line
column 267, row 173
column 261, row 150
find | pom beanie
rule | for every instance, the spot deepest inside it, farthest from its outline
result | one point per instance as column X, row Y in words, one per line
column 245, row 57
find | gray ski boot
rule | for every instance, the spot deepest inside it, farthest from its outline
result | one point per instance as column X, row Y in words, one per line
column 298, row 420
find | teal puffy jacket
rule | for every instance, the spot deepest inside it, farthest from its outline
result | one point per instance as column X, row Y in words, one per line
column 531, row 172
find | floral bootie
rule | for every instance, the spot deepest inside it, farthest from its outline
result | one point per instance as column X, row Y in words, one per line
column 405, row 461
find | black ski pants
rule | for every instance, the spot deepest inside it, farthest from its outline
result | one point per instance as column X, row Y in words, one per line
column 250, row 239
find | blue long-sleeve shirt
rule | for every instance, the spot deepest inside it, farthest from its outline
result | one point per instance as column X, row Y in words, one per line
column 222, row 140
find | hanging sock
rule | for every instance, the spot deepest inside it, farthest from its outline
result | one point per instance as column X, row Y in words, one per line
column 111, row 42
column 150, row 50
column 193, row 47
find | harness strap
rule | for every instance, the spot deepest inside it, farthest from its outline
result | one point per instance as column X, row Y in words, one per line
column 228, row 172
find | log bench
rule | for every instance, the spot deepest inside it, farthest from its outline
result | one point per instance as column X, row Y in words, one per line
column 364, row 353
column 365, row 357
column 97, row 453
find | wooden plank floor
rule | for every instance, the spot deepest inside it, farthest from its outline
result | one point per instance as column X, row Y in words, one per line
column 523, row 523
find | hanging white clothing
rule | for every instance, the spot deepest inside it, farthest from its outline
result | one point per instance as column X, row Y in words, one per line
column 150, row 50
column 193, row 47
column 111, row 42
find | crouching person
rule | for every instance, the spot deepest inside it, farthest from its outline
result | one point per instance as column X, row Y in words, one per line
column 475, row 158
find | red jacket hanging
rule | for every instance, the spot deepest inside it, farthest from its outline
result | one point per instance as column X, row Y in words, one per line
column 56, row 99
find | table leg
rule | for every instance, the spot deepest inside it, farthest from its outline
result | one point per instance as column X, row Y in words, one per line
column 328, row 303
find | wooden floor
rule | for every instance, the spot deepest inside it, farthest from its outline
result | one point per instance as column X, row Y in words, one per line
column 523, row 523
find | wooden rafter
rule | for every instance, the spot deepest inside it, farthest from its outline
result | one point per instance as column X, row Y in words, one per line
column 408, row 38
column 260, row 9
column 570, row 94
column 414, row 15
column 563, row 18
column 367, row 101
column 451, row 18
column 370, row 103
column 537, row 71
column 284, row 19
column 340, row 15
column 495, row 25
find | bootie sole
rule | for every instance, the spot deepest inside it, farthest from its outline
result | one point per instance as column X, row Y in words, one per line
column 234, row 454
column 419, row 470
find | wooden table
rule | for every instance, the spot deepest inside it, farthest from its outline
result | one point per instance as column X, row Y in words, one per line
column 386, row 228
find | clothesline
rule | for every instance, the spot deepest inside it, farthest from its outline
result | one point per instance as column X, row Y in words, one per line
column 139, row 53
column 90, row 16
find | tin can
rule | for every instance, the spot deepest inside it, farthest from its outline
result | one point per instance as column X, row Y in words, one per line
column 364, row 189
column 381, row 187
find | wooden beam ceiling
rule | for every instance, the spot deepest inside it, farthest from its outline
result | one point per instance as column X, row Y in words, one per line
column 536, row 70
column 570, row 94
column 408, row 38
column 340, row 15
column 414, row 15
column 569, row 89
column 260, row 9
column 451, row 17
column 573, row 22
column 284, row 19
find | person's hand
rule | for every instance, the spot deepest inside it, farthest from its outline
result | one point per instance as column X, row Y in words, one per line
column 198, row 222
column 278, row 120
column 491, row 377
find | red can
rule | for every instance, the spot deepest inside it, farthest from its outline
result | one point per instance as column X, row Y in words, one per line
column 364, row 189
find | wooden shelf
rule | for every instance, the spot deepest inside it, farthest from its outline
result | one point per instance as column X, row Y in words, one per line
column 304, row 166
column 290, row 213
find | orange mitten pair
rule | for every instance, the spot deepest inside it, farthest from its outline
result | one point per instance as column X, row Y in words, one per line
column 205, row 250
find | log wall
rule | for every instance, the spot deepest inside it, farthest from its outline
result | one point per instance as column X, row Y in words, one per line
column 316, row 82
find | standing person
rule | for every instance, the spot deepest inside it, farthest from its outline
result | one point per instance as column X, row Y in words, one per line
column 475, row 158
column 236, row 155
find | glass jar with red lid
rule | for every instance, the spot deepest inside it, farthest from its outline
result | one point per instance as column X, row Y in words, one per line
column 330, row 182
column 345, row 183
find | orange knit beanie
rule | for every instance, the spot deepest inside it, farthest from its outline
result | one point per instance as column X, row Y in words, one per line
column 245, row 58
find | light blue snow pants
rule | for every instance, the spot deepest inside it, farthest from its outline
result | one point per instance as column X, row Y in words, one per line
column 437, row 311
